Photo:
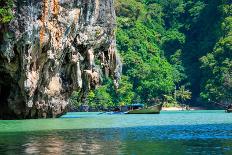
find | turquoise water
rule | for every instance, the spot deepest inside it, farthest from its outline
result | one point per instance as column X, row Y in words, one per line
column 190, row 132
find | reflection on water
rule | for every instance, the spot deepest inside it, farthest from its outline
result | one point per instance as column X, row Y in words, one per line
column 145, row 138
column 61, row 142
column 209, row 139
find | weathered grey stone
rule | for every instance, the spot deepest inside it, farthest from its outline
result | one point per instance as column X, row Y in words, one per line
column 49, row 50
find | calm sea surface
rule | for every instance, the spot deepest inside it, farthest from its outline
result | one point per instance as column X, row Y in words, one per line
column 196, row 132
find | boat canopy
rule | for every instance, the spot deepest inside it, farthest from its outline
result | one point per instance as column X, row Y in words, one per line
column 137, row 105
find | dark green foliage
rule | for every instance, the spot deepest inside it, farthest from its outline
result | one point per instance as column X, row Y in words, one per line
column 181, row 33
column 6, row 11
column 151, row 75
column 217, row 65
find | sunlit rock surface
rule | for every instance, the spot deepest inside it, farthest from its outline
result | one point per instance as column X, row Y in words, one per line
column 51, row 48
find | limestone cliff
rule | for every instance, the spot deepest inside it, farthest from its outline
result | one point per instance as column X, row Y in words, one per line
column 51, row 48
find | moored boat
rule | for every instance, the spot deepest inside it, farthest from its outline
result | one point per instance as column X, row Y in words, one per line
column 140, row 109
column 229, row 110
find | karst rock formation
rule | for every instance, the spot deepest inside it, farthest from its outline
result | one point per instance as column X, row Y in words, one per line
column 49, row 49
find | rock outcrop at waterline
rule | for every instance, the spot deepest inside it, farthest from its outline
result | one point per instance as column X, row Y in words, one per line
column 51, row 48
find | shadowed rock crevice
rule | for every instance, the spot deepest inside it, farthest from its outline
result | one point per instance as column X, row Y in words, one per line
column 51, row 48
column 4, row 93
column 7, row 84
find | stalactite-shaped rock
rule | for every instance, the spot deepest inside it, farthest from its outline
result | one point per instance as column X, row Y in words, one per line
column 49, row 50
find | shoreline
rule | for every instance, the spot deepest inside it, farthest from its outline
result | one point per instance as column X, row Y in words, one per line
column 182, row 108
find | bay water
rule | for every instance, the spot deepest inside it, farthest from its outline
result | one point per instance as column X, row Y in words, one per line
column 174, row 133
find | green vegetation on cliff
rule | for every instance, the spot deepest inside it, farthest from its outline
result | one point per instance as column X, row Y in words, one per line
column 6, row 11
column 173, row 50
column 217, row 64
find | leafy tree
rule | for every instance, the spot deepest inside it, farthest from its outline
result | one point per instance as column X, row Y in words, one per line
column 125, row 92
column 157, row 79
column 183, row 95
column 6, row 13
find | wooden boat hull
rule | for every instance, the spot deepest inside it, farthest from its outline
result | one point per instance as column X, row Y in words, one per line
column 229, row 110
column 150, row 110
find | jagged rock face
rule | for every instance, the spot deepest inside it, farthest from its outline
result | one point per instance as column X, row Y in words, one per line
column 51, row 48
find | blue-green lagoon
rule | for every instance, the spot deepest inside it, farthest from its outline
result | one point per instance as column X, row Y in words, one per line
column 177, row 132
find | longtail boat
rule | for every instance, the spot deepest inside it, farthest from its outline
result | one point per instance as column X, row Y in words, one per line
column 140, row 109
